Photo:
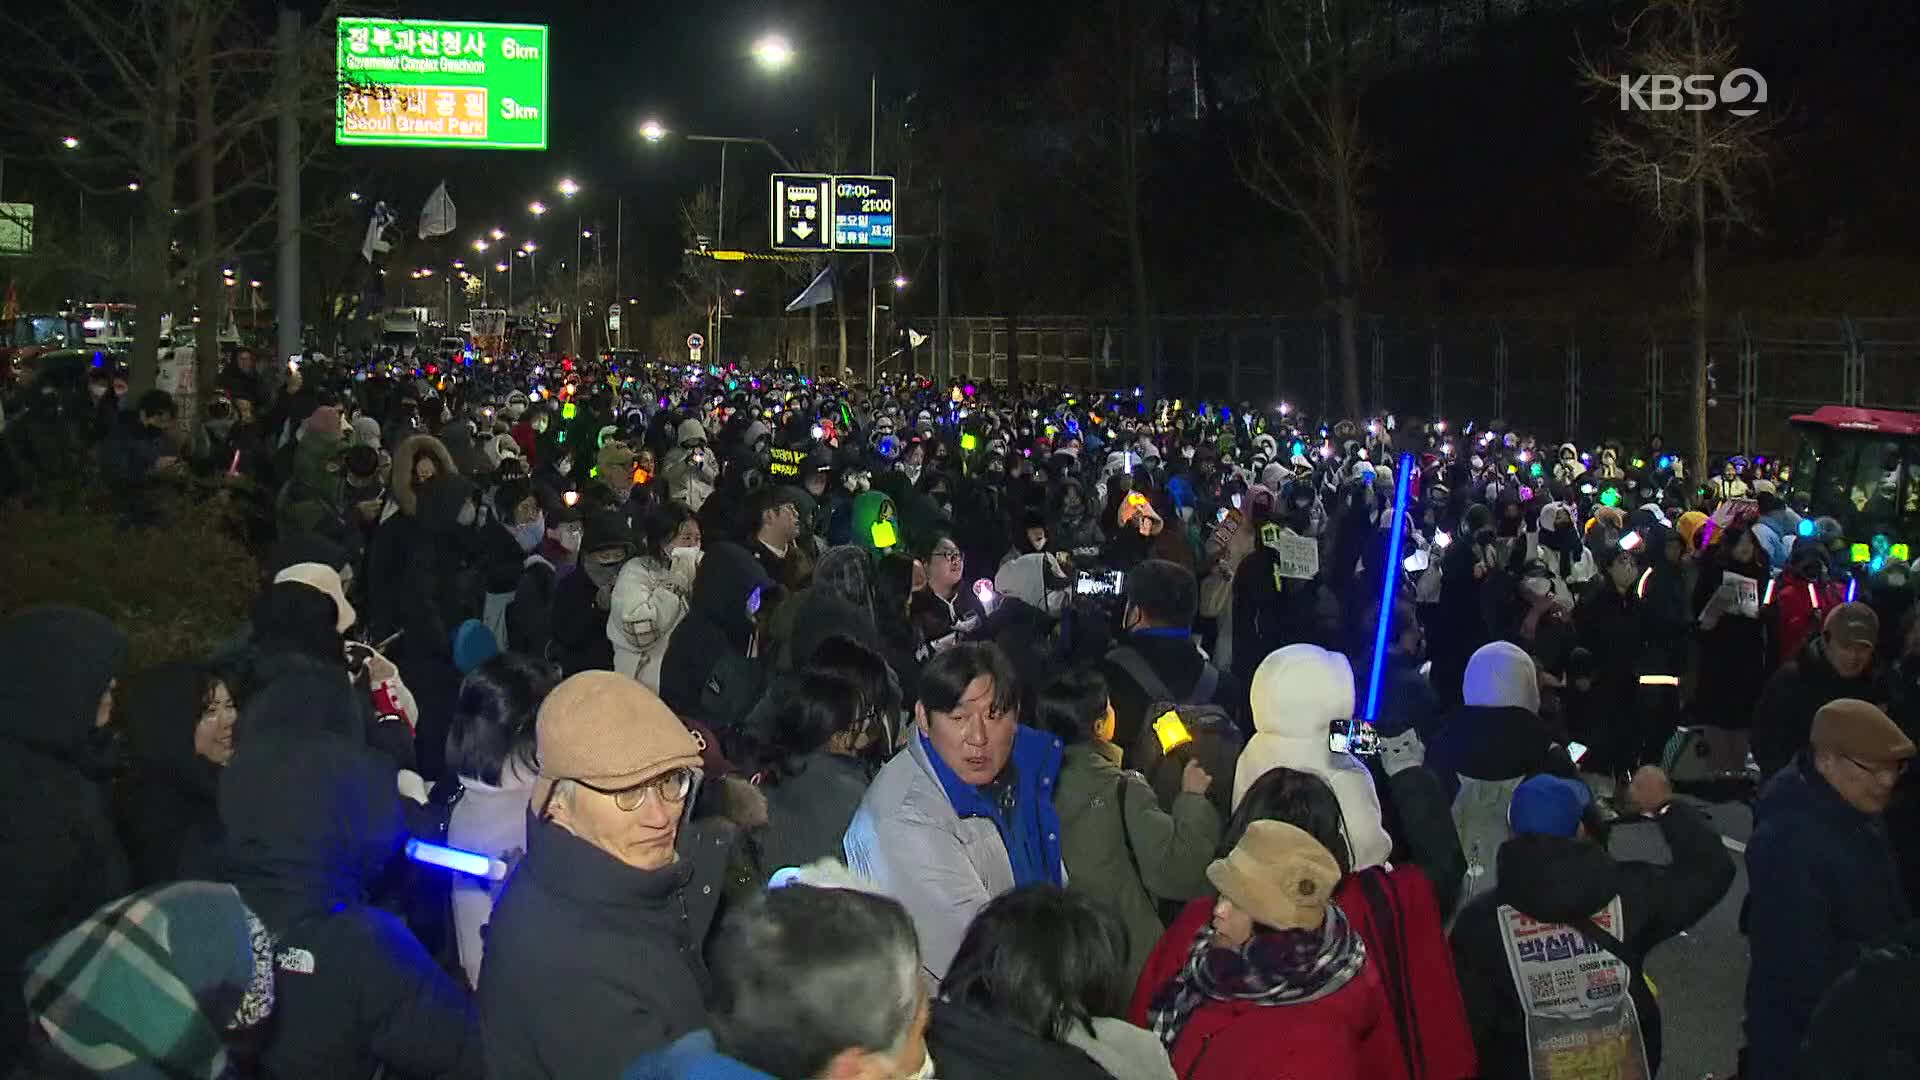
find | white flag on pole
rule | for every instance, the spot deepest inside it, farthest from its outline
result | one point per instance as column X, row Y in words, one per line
column 818, row 291
column 436, row 218
column 377, row 225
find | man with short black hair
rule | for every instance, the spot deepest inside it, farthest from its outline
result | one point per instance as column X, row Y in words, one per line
column 140, row 454
column 966, row 811
column 1159, row 661
column 773, row 516
column 809, row 981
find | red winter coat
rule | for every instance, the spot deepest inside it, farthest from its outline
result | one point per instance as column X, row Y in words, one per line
column 1798, row 613
column 1395, row 913
column 1347, row 1035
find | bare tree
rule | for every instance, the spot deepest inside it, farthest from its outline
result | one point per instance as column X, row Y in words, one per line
column 1686, row 166
column 1309, row 156
column 1105, row 83
column 167, row 86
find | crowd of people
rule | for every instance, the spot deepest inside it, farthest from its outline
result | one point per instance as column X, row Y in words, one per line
column 697, row 722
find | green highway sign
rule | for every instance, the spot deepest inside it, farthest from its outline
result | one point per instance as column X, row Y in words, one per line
column 447, row 84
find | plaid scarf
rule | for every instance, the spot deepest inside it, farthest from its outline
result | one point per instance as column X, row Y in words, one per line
column 148, row 985
column 1274, row 967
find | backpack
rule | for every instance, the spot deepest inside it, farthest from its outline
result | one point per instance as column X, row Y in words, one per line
column 1176, row 731
column 1480, row 817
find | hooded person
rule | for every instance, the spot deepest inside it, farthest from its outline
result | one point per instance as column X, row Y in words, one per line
column 422, row 571
column 690, row 469
column 179, row 721
column 416, row 460
column 312, row 819
column 1297, row 693
column 1487, row 746
column 1558, row 880
column 1027, row 597
column 314, row 498
column 714, row 642
column 876, row 524
column 58, row 668
column 582, row 600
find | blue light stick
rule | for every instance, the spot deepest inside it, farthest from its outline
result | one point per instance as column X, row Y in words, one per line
column 466, row 862
column 1390, row 581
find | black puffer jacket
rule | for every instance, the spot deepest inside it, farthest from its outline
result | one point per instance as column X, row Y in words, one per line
column 56, row 836
column 717, row 627
column 311, row 820
column 1555, row 879
column 167, row 806
column 1783, row 717
column 590, row 962
column 967, row 1044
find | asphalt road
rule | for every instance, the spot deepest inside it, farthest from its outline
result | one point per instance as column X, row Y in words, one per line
column 1702, row 974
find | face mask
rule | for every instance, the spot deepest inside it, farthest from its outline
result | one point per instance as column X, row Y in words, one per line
column 528, row 535
column 601, row 574
column 570, row 536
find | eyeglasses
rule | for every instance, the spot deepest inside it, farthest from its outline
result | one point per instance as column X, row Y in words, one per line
column 1885, row 770
column 941, row 553
column 671, row 787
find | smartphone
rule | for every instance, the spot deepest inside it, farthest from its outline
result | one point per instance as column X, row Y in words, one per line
column 1092, row 584
column 1221, row 514
column 1352, row 737
column 1576, row 751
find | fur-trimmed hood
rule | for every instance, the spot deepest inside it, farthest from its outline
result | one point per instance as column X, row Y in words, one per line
column 409, row 451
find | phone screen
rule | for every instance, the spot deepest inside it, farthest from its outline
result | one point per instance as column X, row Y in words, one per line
column 1576, row 751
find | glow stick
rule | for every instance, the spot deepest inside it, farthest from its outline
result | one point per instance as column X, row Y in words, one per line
column 471, row 863
column 1853, row 584
column 1390, row 581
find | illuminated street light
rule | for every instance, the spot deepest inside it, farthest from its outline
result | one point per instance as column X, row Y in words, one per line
column 773, row 52
column 500, row 268
column 529, row 247
column 253, row 283
column 536, row 208
column 653, row 131
column 586, row 234
column 458, row 265
column 353, row 196
column 900, row 282
column 426, row 271
column 133, row 185
column 70, row 142
column 498, row 234
column 226, row 271
column 519, row 254
column 739, row 292
column 567, row 187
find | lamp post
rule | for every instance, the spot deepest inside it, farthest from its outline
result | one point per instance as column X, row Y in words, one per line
column 568, row 189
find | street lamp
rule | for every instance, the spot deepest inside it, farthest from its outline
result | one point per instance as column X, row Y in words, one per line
column 567, row 187
column 458, row 265
column 739, row 292
column 536, row 208
column 70, row 142
column 773, row 52
column 133, row 185
column 353, row 196
column 653, row 131
column 900, row 282
column 479, row 245
column 498, row 234
column 253, row 283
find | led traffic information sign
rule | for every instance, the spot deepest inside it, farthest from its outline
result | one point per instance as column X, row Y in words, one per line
column 863, row 213
column 817, row 213
column 447, row 84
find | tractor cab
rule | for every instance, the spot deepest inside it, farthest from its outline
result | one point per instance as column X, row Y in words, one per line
column 1861, row 467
